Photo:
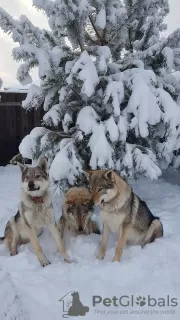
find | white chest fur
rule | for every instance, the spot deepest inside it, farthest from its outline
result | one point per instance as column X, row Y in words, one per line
column 37, row 213
column 112, row 219
column 36, row 216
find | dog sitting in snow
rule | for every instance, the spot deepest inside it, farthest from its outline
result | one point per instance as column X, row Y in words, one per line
column 122, row 212
column 35, row 210
column 77, row 212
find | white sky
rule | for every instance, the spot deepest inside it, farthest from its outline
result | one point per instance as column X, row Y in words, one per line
column 8, row 67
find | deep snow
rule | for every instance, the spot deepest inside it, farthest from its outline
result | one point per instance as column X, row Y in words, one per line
column 28, row 291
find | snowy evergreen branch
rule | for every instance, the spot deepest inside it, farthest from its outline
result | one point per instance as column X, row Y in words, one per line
column 96, row 31
column 108, row 79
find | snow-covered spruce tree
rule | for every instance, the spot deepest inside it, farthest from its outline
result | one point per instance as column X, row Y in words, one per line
column 107, row 78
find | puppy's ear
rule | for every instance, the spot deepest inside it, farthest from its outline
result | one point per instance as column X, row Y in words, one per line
column 22, row 167
column 109, row 175
column 43, row 164
column 88, row 173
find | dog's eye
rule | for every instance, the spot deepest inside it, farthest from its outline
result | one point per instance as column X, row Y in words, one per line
column 100, row 189
column 71, row 207
column 38, row 176
column 27, row 177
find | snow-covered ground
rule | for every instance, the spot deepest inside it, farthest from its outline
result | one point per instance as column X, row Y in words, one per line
column 28, row 291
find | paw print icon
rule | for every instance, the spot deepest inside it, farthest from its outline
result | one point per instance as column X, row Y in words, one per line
column 141, row 301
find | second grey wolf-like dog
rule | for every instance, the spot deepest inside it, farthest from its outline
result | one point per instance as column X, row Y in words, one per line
column 35, row 210
column 77, row 212
column 122, row 212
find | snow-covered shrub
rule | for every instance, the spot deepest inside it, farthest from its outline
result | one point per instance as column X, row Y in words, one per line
column 108, row 78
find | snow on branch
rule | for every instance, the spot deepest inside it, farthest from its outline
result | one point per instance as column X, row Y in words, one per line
column 11, row 26
column 52, row 117
column 23, row 72
column 103, row 55
column 115, row 91
column 45, row 5
column 28, row 145
column 144, row 106
column 140, row 161
column 101, row 150
column 112, row 129
column 169, row 58
column 24, row 52
column 145, row 163
column 101, row 18
column 87, row 119
column 34, row 99
column 66, row 164
column 85, row 71
column 33, row 34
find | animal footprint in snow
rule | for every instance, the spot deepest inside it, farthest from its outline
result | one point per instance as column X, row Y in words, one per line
column 141, row 301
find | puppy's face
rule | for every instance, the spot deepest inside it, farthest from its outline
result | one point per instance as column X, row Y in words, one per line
column 103, row 186
column 35, row 180
column 79, row 214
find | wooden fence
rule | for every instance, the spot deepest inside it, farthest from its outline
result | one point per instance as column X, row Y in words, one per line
column 15, row 123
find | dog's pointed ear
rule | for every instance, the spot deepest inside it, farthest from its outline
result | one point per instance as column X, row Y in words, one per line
column 43, row 164
column 88, row 173
column 109, row 175
column 22, row 167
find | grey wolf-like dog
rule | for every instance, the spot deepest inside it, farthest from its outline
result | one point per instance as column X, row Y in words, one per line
column 35, row 210
column 122, row 212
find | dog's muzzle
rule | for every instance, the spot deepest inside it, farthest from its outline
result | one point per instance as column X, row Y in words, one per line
column 32, row 186
column 97, row 204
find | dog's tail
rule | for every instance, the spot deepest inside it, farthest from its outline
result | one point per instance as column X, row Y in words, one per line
column 2, row 240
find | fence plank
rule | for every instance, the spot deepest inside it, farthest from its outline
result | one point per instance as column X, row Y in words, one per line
column 15, row 123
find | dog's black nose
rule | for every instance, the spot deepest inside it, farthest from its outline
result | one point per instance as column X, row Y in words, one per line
column 102, row 201
column 80, row 229
column 31, row 185
column 91, row 204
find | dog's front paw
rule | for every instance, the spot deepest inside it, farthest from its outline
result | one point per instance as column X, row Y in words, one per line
column 68, row 260
column 100, row 255
column 116, row 259
column 44, row 262
column 14, row 253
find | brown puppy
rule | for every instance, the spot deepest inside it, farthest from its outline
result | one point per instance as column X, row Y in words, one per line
column 77, row 212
